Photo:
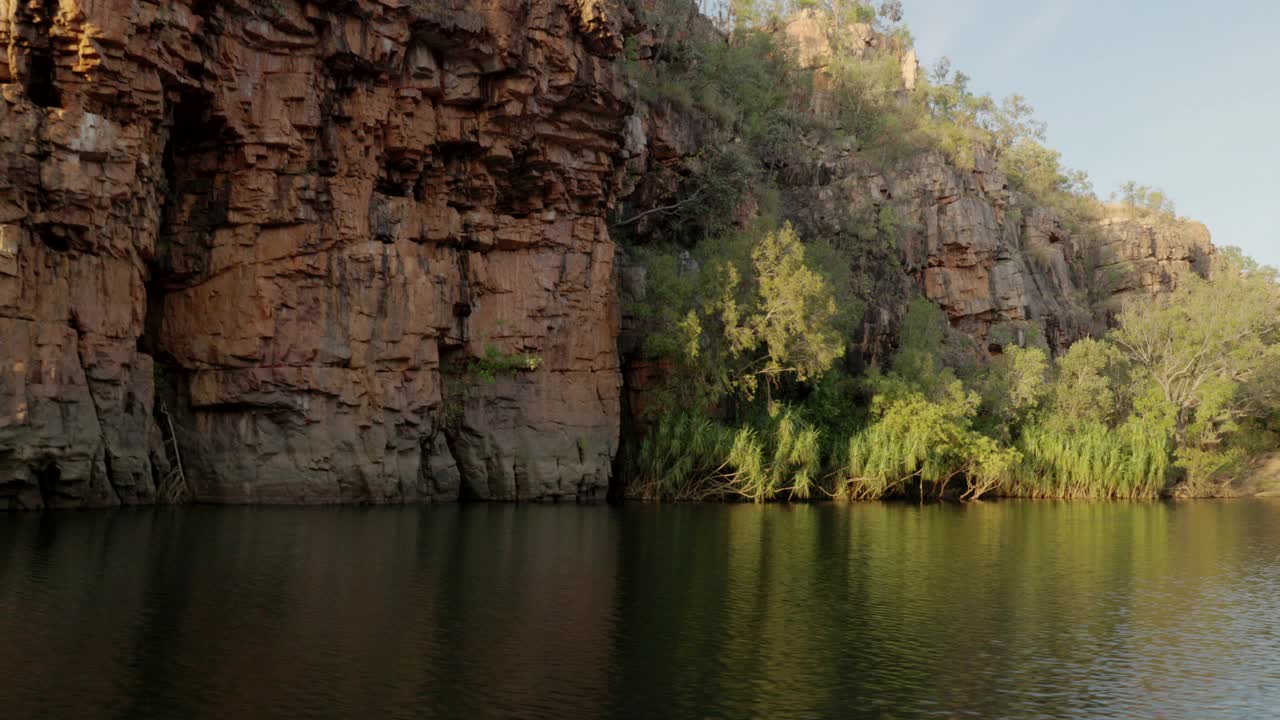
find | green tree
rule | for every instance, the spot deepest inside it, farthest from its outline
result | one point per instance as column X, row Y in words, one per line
column 752, row 309
column 1199, row 342
column 927, row 352
column 1087, row 383
column 1013, row 386
column 1144, row 199
column 891, row 10
column 1015, row 122
column 791, row 316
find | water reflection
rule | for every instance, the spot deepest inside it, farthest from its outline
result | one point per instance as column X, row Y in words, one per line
column 993, row 610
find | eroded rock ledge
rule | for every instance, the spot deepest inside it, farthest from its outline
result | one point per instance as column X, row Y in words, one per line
column 285, row 222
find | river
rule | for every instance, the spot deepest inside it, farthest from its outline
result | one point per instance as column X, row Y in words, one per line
column 991, row 610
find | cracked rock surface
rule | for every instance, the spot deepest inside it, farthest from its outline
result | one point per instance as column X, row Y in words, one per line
column 284, row 223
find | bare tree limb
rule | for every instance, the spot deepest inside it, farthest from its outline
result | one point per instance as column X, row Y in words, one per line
column 663, row 209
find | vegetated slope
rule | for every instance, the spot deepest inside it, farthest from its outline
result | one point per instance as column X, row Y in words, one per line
column 817, row 130
column 852, row 141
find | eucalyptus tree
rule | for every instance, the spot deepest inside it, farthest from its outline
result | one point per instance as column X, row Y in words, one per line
column 1201, row 343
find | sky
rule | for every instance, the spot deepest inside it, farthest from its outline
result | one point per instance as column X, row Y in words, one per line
column 1179, row 96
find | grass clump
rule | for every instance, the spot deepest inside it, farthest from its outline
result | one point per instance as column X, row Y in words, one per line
column 1092, row 460
column 685, row 457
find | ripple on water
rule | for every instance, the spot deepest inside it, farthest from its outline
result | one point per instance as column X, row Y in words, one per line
column 996, row 610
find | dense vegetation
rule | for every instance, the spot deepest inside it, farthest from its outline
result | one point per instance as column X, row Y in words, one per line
column 760, row 326
column 1176, row 399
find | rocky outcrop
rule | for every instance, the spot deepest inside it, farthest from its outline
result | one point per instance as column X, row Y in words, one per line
column 812, row 37
column 308, row 230
column 987, row 257
column 959, row 241
column 814, row 44
column 990, row 260
column 1145, row 252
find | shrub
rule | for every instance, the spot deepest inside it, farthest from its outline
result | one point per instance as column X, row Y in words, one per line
column 460, row 374
column 915, row 440
column 685, row 457
column 1093, row 460
column 680, row 456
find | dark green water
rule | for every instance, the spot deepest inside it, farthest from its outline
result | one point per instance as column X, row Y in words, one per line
column 893, row 611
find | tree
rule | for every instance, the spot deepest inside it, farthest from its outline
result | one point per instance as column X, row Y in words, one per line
column 754, row 310
column 1201, row 336
column 1014, row 122
column 1085, row 387
column 923, row 339
column 1144, row 199
column 941, row 70
column 1014, row 385
column 792, row 315
column 891, row 10
column 1034, row 168
column 864, row 93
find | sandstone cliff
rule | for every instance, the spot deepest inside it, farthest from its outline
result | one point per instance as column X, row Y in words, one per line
column 356, row 251
column 990, row 259
column 300, row 227
column 984, row 254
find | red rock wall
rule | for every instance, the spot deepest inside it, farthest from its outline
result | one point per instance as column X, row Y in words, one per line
column 296, row 210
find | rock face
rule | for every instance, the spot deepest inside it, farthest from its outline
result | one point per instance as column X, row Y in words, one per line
column 968, row 245
column 1146, row 253
column 987, row 262
column 313, row 234
column 355, row 250
column 960, row 245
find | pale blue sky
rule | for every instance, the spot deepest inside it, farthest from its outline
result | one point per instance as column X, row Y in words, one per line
column 1178, row 95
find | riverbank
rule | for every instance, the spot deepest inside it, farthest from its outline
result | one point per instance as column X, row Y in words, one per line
column 1265, row 481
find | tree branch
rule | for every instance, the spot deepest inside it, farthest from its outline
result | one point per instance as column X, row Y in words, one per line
column 663, row 209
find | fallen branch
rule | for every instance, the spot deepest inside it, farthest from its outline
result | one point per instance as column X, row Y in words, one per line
column 664, row 209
